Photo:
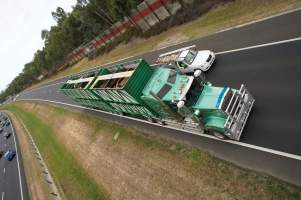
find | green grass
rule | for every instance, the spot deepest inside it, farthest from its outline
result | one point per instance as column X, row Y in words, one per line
column 67, row 173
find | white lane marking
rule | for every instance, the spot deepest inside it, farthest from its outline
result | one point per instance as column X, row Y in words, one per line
column 2, row 196
column 264, row 149
column 4, row 170
column 20, row 178
column 260, row 45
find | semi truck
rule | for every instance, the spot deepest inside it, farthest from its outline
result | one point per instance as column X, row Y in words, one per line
column 188, row 59
column 163, row 95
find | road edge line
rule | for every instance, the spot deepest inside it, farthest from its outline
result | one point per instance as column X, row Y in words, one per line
column 259, row 46
column 234, row 27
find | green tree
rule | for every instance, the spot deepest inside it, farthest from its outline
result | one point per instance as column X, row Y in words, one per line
column 59, row 15
column 44, row 34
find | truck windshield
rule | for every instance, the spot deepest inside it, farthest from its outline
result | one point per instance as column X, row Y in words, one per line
column 190, row 57
column 226, row 100
column 193, row 93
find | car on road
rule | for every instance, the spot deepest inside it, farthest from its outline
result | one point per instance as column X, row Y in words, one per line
column 1, row 130
column 9, row 155
column 1, row 154
column 7, row 123
column 188, row 59
column 7, row 135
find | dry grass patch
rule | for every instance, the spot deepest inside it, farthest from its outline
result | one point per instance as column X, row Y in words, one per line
column 136, row 166
column 72, row 180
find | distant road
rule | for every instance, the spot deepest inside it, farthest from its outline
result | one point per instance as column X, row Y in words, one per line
column 266, row 57
column 12, row 178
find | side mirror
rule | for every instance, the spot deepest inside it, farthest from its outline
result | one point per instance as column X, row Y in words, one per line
column 199, row 76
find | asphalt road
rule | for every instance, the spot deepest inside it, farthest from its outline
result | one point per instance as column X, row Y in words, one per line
column 272, row 75
column 12, row 179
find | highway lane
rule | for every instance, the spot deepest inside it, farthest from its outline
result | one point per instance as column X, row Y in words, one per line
column 12, row 178
column 272, row 74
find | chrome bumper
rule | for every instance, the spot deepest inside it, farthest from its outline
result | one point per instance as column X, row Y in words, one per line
column 238, row 111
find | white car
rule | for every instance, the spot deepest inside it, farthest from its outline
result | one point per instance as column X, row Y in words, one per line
column 188, row 60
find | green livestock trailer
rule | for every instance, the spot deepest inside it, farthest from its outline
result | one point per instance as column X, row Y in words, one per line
column 161, row 94
column 122, row 88
column 77, row 88
column 117, row 88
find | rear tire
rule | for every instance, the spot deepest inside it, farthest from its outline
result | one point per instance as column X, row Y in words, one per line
column 150, row 119
column 217, row 134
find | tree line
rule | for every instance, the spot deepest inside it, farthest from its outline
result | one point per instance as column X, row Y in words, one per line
column 87, row 19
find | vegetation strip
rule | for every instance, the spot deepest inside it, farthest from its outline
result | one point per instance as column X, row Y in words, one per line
column 36, row 185
column 68, row 174
column 51, row 184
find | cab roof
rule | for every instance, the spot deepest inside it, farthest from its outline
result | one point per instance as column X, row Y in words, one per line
column 168, row 85
column 210, row 98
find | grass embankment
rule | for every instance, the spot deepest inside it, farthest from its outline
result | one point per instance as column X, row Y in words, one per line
column 222, row 17
column 136, row 166
column 67, row 172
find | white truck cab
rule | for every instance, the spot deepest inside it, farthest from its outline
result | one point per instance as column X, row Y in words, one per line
column 188, row 59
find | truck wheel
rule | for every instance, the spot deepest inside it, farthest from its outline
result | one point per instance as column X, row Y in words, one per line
column 217, row 134
column 150, row 119
column 161, row 122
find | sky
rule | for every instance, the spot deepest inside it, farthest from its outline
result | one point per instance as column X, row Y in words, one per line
column 21, row 22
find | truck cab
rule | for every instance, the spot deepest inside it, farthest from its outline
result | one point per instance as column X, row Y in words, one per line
column 221, row 111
